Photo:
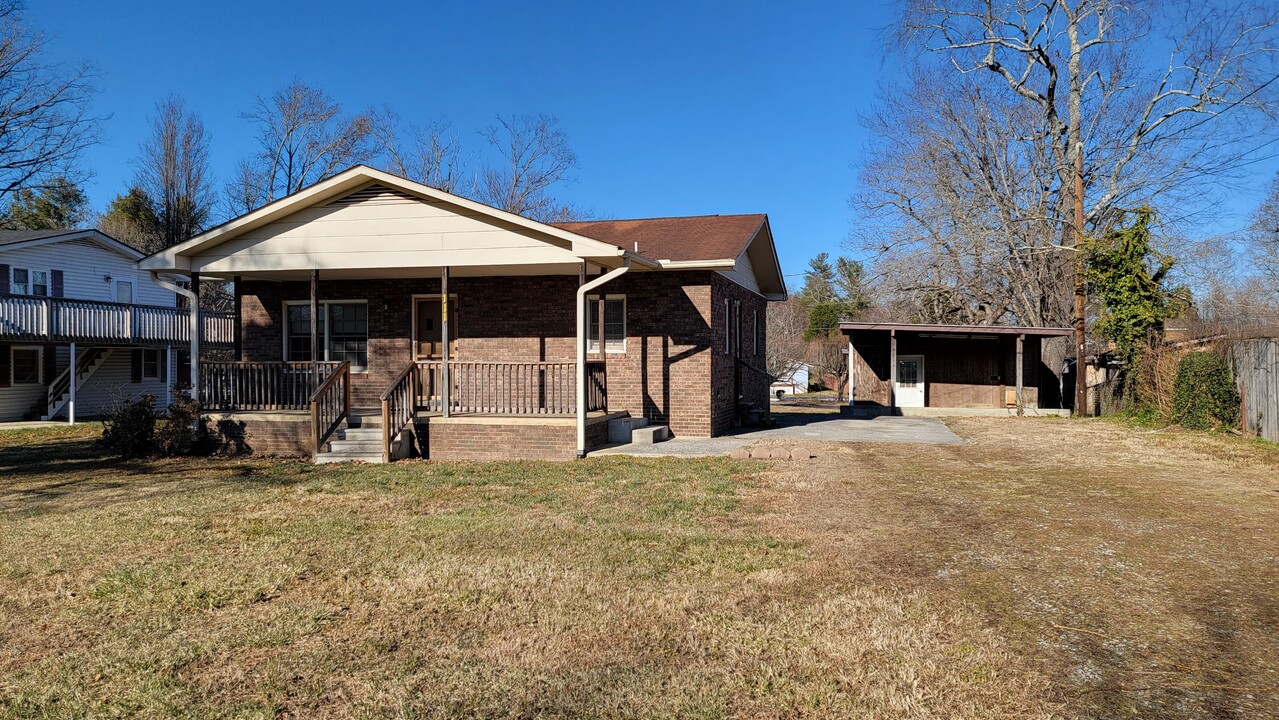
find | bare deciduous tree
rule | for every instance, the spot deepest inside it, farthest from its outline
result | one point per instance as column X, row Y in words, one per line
column 429, row 154
column 785, row 343
column 45, row 121
column 1264, row 234
column 173, row 171
column 536, row 157
column 969, row 184
column 303, row 137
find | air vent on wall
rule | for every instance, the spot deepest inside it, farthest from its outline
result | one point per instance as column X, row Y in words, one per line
column 375, row 195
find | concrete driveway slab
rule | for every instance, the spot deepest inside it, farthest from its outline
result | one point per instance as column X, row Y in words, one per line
column 802, row 426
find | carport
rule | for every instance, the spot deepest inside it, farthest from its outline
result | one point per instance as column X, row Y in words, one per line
column 909, row 368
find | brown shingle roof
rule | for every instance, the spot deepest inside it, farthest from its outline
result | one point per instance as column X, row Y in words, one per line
column 703, row 237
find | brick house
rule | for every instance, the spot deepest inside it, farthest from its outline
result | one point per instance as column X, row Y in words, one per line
column 451, row 329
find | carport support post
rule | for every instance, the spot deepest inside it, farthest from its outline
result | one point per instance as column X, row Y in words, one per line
column 445, row 382
column 850, row 369
column 1021, row 405
column 892, row 369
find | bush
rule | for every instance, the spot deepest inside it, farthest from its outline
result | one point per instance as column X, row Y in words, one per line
column 177, row 435
column 129, row 430
column 1205, row 397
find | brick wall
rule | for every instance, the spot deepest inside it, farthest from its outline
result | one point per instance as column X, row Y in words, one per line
column 450, row 440
column 664, row 374
column 743, row 314
column 259, row 434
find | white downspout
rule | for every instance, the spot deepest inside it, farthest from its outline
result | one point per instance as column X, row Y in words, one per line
column 194, row 303
column 581, row 348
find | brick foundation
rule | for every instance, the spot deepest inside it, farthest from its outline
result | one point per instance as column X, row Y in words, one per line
column 495, row 439
column 257, row 433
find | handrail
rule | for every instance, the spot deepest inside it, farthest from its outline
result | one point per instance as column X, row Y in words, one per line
column 330, row 406
column 501, row 387
column 399, row 403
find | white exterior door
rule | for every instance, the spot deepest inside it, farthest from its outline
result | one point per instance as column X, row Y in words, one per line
column 909, row 390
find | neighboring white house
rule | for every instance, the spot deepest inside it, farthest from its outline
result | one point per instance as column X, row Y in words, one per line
column 792, row 383
column 78, row 293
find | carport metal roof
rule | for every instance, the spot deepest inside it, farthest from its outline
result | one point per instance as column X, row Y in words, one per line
column 956, row 330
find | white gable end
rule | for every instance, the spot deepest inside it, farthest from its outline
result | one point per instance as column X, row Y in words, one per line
column 376, row 227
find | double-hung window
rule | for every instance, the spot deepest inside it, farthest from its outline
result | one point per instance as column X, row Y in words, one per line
column 343, row 331
column 614, row 323
column 28, row 281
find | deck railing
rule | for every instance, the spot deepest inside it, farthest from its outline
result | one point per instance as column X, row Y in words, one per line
column 261, row 385
column 510, row 388
column 28, row 317
column 330, row 406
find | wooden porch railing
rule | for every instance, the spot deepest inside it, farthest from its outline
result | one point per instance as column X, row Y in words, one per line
column 511, row 388
column 330, row 406
column 261, row 385
column 27, row 317
column 399, row 404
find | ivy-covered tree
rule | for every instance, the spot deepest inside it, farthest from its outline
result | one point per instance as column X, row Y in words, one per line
column 132, row 219
column 832, row 293
column 1128, row 275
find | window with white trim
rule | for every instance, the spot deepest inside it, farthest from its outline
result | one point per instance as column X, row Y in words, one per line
column 26, row 365
column 737, row 327
column 28, row 281
column 343, row 331
column 614, row 323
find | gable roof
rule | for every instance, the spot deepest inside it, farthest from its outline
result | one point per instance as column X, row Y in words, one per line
column 13, row 239
column 680, row 239
column 359, row 177
column 741, row 242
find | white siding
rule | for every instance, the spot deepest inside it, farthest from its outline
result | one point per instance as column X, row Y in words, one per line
column 743, row 273
column 84, row 263
column 17, row 400
column 397, row 232
column 110, row 384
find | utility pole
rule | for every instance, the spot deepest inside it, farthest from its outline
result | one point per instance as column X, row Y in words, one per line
column 1081, row 297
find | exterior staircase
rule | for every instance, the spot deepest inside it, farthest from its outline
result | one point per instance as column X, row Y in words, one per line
column 60, row 389
column 359, row 441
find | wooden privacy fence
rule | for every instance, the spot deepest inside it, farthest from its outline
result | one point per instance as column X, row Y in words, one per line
column 511, row 388
column 28, row 317
column 1256, row 369
column 261, row 385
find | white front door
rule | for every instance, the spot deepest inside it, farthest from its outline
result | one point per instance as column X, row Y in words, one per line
column 909, row 390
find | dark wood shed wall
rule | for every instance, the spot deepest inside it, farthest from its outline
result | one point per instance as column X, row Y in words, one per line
column 958, row 372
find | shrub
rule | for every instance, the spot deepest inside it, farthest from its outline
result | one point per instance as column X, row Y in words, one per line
column 178, row 435
column 129, row 430
column 1205, row 397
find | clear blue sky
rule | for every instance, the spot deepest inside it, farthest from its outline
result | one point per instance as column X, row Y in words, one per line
column 674, row 108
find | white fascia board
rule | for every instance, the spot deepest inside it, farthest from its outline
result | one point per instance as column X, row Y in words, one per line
column 96, row 236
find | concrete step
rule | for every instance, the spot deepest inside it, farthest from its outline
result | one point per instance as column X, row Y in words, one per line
column 364, row 421
column 650, row 434
column 348, row 456
column 360, row 433
column 619, row 429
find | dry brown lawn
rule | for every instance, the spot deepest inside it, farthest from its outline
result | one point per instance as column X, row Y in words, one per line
column 1044, row 569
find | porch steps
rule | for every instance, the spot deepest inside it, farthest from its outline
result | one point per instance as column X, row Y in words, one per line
column 636, row 431
column 359, row 441
column 86, row 366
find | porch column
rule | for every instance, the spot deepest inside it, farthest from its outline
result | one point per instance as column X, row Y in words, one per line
column 169, row 371
column 197, row 329
column 581, row 348
column 315, row 324
column 72, row 375
column 237, row 351
column 892, row 368
column 1021, row 403
column 445, row 381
